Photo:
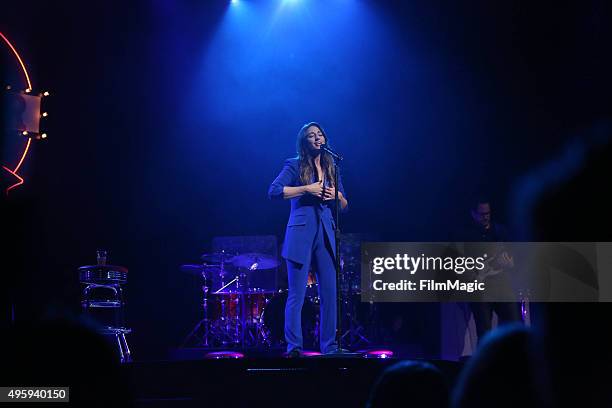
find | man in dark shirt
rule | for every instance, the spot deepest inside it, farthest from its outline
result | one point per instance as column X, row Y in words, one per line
column 483, row 230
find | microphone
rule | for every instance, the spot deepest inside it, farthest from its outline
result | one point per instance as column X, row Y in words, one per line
column 333, row 154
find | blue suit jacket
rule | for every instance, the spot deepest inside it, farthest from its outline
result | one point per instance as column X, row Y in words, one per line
column 306, row 210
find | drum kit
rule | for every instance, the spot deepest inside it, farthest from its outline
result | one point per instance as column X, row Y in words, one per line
column 235, row 291
column 244, row 308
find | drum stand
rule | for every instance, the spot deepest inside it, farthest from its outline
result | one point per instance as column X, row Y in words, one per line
column 204, row 324
column 353, row 334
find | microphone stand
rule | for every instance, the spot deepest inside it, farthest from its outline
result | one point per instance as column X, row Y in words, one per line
column 337, row 239
column 337, row 159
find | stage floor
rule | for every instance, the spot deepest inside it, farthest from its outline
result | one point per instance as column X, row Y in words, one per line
column 257, row 381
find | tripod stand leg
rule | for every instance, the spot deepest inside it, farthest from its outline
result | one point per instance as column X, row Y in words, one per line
column 192, row 333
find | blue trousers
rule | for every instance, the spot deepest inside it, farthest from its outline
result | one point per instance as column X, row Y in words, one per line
column 322, row 259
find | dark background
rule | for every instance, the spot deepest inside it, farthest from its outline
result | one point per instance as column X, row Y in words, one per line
column 168, row 120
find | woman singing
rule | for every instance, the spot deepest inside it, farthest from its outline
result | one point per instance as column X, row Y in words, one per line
column 308, row 181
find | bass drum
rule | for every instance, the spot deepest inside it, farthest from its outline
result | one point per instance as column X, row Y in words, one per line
column 273, row 318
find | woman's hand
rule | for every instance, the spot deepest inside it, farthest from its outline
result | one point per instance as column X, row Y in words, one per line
column 330, row 194
column 316, row 189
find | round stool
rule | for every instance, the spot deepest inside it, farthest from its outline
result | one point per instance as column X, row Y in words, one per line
column 102, row 289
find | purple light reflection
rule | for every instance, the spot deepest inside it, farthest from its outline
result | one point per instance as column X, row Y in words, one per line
column 223, row 354
column 383, row 353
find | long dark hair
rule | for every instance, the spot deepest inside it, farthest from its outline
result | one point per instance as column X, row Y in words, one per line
column 307, row 167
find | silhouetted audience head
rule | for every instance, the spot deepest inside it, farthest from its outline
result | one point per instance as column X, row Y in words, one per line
column 410, row 384
column 564, row 201
column 506, row 371
column 579, row 353
column 67, row 353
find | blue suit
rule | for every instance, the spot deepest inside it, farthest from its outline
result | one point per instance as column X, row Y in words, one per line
column 309, row 239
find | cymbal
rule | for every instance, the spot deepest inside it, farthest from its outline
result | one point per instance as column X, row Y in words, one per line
column 255, row 261
column 195, row 269
column 192, row 269
column 216, row 257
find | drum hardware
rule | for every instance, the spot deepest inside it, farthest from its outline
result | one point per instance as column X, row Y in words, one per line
column 354, row 334
column 216, row 258
column 222, row 288
column 204, row 323
column 233, row 300
column 254, row 261
column 242, row 307
column 212, row 271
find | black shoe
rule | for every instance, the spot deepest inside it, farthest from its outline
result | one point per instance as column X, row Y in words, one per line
column 295, row 353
